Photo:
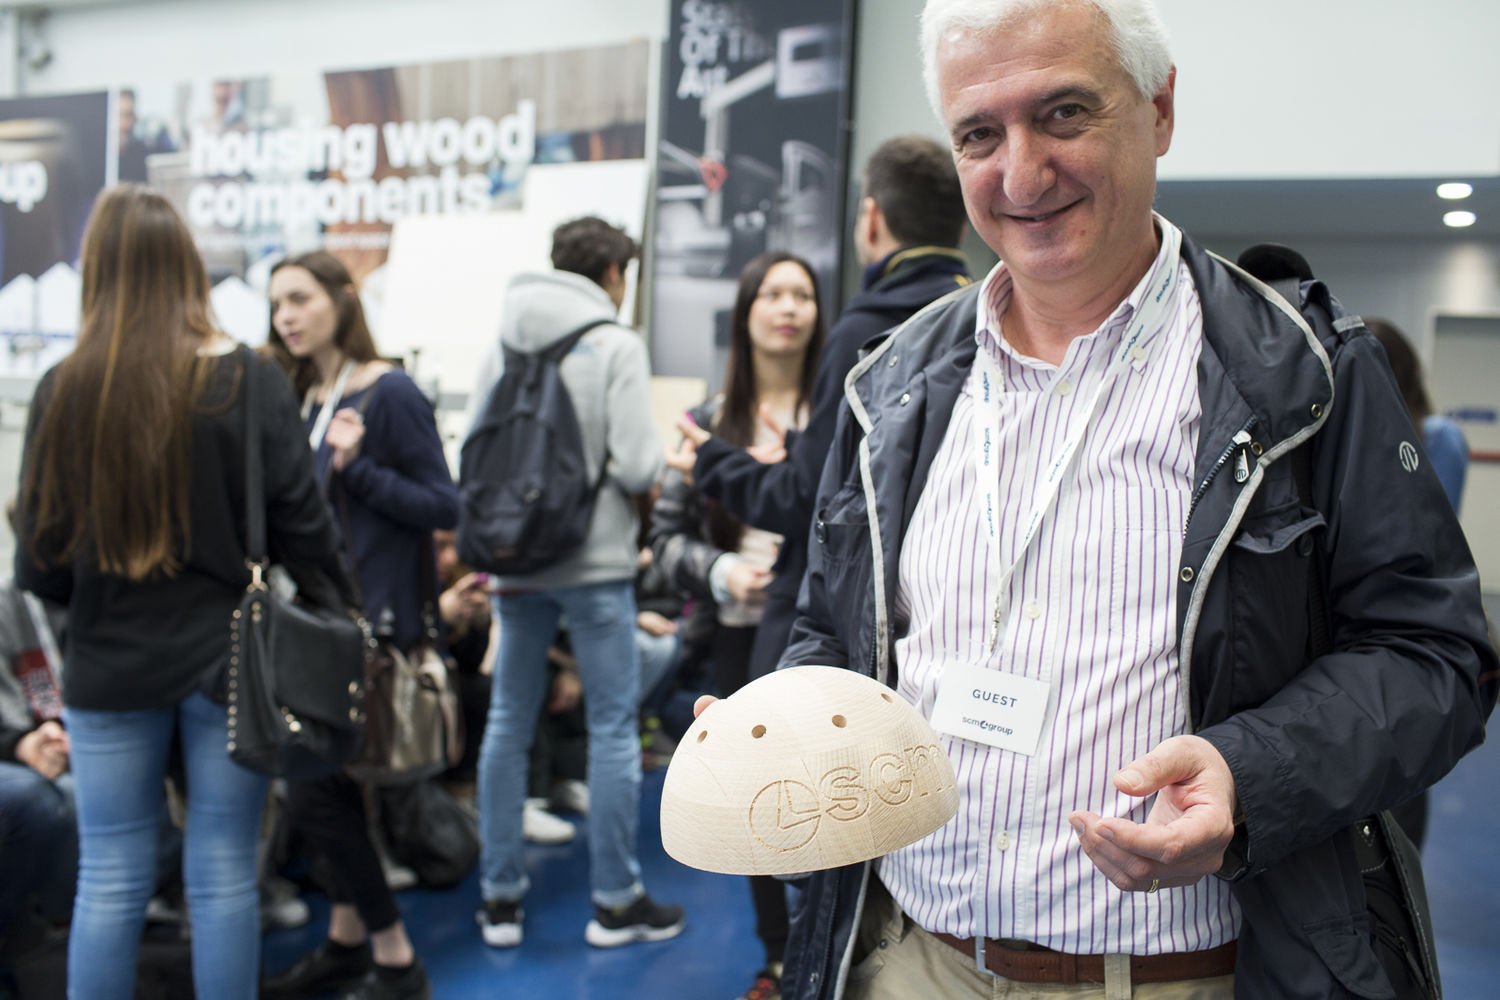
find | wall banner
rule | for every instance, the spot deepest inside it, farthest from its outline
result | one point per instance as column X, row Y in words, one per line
column 263, row 166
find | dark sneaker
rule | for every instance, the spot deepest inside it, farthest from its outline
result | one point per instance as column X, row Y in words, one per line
column 500, row 923
column 329, row 968
column 766, row 987
column 642, row 920
column 384, row 983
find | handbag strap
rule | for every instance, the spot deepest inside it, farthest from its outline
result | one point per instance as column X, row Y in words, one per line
column 255, row 487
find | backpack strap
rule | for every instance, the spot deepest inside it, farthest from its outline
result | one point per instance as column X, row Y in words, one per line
column 1281, row 267
column 564, row 347
column 561, row 349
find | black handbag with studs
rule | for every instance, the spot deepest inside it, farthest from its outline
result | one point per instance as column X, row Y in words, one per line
column 296, row 670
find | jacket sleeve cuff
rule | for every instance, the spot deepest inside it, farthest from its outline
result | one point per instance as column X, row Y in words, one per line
column 710, row 454
column 10, row 739
column 1240, row 855
column 718, row 577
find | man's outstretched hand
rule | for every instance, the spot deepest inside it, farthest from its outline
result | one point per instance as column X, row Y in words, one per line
column 1187, row 830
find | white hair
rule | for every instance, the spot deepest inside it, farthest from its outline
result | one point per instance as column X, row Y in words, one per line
column 1137, row 35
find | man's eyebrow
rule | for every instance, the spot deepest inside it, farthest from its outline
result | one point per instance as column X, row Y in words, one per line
column 968, row 121
column 1075, row 91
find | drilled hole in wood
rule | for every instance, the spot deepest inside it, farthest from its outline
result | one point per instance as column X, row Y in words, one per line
column 840, row 721
column 885, row 696
column 703, row 736
column 758, row 732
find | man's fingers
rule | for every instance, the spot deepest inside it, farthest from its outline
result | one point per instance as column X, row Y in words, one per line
column 701, row 705
column 1127, row 871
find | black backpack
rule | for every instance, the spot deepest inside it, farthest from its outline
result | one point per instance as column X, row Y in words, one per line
column 523, row 482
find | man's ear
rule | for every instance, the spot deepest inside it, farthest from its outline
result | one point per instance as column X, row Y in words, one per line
column 1166, row 112
column 874, row 220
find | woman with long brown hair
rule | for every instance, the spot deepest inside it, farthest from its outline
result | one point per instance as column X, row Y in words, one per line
column 776, row 333
column 375, row 442
column 131, row 513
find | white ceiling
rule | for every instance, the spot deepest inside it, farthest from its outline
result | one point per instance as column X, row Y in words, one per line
column 1404, row 208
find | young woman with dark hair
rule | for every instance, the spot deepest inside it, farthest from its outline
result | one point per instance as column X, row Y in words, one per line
column 131, row 513
column 776, row 332
column 376, row 446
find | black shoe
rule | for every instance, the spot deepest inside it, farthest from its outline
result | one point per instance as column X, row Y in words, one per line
column 642, row 920
column 328, row 968
column 385, row 983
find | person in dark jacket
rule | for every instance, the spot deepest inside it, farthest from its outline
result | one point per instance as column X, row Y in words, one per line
column 776, row 332
column 1146, row 544
column 375, row 443
column 131, row 514
column 910, row 222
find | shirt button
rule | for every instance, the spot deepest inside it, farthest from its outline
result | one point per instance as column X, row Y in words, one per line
column 1002, row 841
column 1033, row 610
column 1137, row 353
column 1064, row 388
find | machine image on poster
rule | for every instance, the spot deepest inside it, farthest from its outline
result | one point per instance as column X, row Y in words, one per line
column 751, row 159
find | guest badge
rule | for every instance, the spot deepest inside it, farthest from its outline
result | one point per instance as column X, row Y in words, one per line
column 987, row 706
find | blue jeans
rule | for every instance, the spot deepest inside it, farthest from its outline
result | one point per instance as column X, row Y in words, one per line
column 601, row 627
column 119, row 762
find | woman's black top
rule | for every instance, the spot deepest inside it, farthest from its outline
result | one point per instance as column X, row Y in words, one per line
column 139, row 645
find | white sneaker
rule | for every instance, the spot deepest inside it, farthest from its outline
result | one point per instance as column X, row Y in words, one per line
column 398, row 877
column 571, row 795
column 541, row 827
column 281, row 906
column 500, row 924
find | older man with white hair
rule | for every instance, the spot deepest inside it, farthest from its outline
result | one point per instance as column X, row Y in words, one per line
column 1154, row 549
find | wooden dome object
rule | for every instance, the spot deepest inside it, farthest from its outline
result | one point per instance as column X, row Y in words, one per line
column 804, row 769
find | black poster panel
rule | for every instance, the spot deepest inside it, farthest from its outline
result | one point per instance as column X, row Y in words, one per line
column 752, row 158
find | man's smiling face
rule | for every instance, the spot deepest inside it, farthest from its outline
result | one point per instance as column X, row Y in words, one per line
column 1055, row 147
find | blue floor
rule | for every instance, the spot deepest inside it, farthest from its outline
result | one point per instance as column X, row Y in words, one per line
column 717, row 954
column 715, row 957
column 1462, row 867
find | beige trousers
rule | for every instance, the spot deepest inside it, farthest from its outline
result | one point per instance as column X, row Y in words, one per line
column 904, row 962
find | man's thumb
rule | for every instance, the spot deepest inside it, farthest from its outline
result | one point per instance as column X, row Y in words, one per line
column 1163, row 766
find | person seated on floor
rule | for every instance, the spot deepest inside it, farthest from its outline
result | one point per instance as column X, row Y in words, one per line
column 32, row 738
column 35, row 829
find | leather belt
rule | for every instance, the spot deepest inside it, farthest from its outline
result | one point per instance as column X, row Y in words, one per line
column 1035, row 964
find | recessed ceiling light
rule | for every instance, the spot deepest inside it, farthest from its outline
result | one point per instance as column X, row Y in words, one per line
column 1458, row 220
column 1454, row 191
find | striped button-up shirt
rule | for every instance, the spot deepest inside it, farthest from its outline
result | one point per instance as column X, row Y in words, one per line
column 1090, row 610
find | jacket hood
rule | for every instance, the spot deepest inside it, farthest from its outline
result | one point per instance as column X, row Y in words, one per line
column 910, row 279
column 542, row 308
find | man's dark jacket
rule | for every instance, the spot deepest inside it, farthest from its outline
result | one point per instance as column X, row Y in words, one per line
column 780, row 497
column 1314, row 744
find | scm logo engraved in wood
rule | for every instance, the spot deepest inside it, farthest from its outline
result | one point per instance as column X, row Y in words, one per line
column 786, row 815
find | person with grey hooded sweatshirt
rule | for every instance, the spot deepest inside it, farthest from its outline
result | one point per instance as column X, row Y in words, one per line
column 607, row 378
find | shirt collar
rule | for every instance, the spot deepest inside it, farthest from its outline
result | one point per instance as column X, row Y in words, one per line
column 996, row 291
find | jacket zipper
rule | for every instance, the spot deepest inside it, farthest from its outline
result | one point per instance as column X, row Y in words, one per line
column 1238, row 449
